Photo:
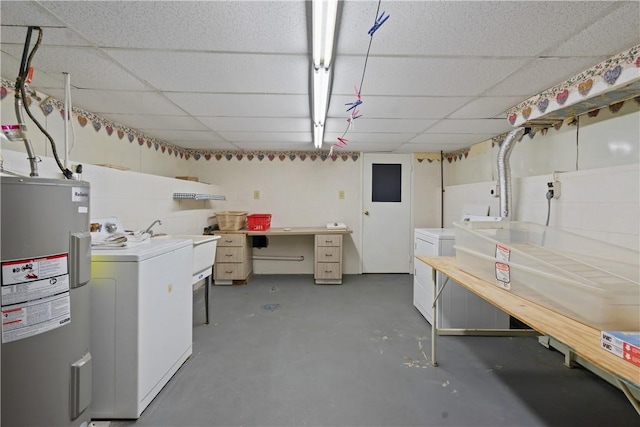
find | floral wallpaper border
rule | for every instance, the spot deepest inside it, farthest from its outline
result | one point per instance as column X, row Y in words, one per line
column 49, row 104
column 622, row 69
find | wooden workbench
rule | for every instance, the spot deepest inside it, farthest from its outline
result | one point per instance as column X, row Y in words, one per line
column 583, row 340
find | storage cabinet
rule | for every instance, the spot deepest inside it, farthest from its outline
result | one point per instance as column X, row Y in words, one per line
column 328, row 259
column 233, row 258
column 457, row 307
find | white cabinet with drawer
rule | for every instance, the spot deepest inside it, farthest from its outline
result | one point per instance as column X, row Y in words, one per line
column 233, row 258
column 328, row 259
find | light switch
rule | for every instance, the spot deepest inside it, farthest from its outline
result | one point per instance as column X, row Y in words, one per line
column 341, row 194
column 256, row 194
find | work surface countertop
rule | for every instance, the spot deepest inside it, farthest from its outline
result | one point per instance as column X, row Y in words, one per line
column 583, row 339
column 287, row 231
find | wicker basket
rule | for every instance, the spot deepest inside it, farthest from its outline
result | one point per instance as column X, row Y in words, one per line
column 231, row 220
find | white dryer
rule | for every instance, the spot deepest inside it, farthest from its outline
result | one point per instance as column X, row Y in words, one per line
column 141, row 323
column 457, row 307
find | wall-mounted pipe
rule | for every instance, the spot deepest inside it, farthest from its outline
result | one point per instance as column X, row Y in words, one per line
column 504, row 170
column 31, row 156
column 278, row 257
column 67, row 109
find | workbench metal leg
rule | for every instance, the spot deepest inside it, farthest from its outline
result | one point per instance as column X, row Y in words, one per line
column 434, row 313
column 569, row 358
column 434, row 316
column 207, row 282
column 625, row 390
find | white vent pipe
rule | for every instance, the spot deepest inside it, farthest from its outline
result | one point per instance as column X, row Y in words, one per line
column 504, row 170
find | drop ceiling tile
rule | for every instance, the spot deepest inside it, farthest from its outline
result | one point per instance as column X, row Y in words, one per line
column 26, row 13
column 542, row 74
column 187, row 135
column 363, row 125
column 218, row 72
column 303, row 137
column 42, row 81
column 391, row 138
column 51, row 36
column 205, row 145
column 89, row 68
column 365, row 147
column 451, row 138
column 597, row 40
column 156, row 122
column 123, row 102
column 407, row 107
column 486, row 107
column 471, row 28
column 275, row 146
column 242, row 105
column 473, row 126
column 404, row 76
column 232, row 26
column 431, row 148
column 257, row 124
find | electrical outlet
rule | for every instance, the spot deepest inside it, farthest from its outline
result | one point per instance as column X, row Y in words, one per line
column 256, row 194
column 341, row 194
column 554, row 186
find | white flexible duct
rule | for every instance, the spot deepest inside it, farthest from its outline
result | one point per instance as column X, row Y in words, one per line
column 504, row 170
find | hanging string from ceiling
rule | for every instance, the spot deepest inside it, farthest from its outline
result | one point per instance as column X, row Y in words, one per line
column 353, row 111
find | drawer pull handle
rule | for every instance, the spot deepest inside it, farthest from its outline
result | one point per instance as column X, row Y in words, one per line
column 228, row 272
column 228, row 255
column 328, row 254
column 228, row 241
column 328, row 241
column 328, row 271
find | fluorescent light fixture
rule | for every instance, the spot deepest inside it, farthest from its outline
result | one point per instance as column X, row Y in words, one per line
column 321, row 80
column 324, row 13
column 324, row 28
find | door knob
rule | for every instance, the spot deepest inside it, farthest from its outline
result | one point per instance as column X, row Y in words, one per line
column 366, row 213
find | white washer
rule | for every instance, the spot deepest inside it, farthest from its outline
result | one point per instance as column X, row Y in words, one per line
column 141, row 323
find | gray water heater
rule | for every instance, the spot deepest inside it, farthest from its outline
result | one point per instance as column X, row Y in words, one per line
column 46, row 264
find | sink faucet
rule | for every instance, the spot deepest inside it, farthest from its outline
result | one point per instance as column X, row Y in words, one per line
column 148, row 230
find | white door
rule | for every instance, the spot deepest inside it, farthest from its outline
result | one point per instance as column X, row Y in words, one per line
column 386, row 214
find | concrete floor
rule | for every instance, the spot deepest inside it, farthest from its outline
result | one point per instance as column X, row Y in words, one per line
column 282, row 351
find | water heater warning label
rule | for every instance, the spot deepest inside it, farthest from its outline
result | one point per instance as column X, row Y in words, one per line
column 25, row 320
column 33, row 269
column 35, row 296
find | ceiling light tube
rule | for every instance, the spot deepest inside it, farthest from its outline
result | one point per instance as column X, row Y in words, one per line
column 320, row 95
column 324, row 14
column 318, row 135
column 321, row 81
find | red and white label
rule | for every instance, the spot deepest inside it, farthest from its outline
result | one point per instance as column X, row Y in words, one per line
column 503, row 275
column 502, row 253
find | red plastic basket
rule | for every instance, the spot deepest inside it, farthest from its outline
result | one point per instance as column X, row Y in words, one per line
column 258, row 222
